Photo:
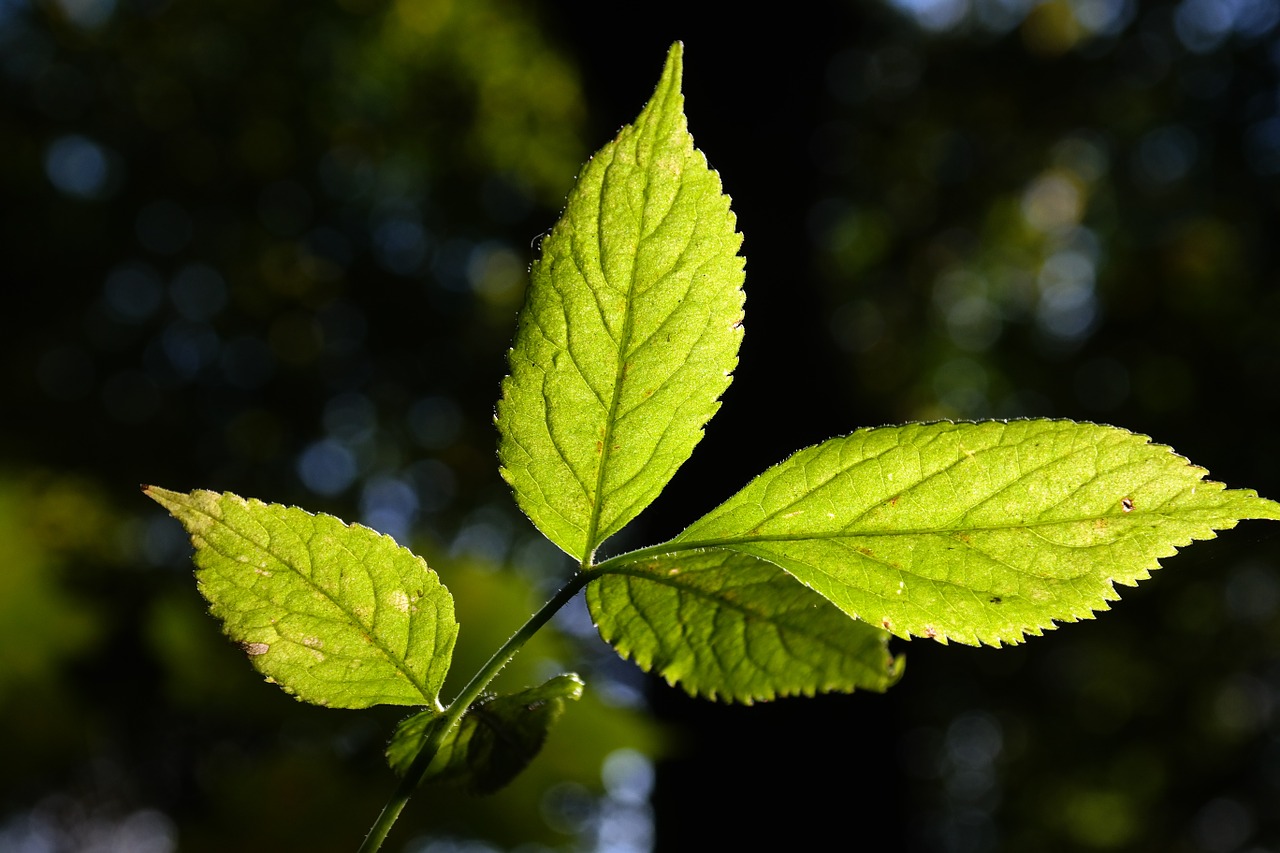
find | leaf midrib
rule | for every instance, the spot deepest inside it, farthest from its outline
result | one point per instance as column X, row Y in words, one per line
column 920, row 531
column 624, row 347
column 402, row 667
column 680, row 546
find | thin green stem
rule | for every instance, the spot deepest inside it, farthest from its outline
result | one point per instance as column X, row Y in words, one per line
column 458, row 707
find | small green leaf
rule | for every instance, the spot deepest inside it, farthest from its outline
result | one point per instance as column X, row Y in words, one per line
column 726, row 625
column 496, row 739
column 410, row 734
column 976, row 532
column 629, row 333
column 338, row 615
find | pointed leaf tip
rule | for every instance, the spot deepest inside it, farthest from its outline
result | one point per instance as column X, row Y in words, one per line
column 673, row 68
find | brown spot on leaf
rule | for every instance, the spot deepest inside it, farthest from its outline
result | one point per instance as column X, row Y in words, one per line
column 1126, row 504
column 255, row 649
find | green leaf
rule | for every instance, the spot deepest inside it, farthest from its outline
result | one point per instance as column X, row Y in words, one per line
column 496, row 739
column 629, row 333
column 726, row 625
column 976, row 532
column 407, row 740
column 337, row 615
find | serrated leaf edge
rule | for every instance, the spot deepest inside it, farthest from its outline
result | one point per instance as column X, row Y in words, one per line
column 895, row 669
column 165, row 498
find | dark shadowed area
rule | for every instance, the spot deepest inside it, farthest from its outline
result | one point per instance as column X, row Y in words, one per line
column 277, row 249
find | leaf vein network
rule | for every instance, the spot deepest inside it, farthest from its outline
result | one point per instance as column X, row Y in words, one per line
column 367, row 630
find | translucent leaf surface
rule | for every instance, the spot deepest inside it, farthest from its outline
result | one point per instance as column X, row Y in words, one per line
column 629, row 332
column 496, row 739
column 977, row 532
column 723, row 624
column 337, row 615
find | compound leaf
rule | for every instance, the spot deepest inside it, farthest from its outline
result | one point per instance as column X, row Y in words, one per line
column 723, row 624
column 976, row 532
column 493, row 742
column 629, row 333
column 337, row 615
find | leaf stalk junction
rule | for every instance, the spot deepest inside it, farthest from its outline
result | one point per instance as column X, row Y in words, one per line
column 454, row 711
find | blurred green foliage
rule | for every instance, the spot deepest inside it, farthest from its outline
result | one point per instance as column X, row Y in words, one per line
column 277, row 249
column 43, row 526
column 262, row 242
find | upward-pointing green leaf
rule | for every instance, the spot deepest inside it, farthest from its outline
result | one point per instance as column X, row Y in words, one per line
column 629, row 333
column 338, row 615
column 977, row 532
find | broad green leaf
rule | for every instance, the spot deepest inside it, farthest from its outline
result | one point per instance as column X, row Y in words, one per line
column 629, row 332
column 976, row 532
column 726, row 625
column 337, row 615
column 496, row 739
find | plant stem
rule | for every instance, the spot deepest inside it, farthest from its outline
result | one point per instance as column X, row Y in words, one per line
column 460, row 704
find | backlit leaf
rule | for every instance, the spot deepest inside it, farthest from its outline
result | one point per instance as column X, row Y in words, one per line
column 976, row 532
column 338, row 615
column 629, row 333
column 726, row 625
column 493, row 742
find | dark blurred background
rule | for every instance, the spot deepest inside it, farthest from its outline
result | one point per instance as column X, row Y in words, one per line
column 277, row 249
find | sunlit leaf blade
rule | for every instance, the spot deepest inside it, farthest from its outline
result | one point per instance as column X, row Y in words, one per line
column 629, row 333
column 976, row 532
column 496, row 739
column 337, row 615
column 726, row 625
